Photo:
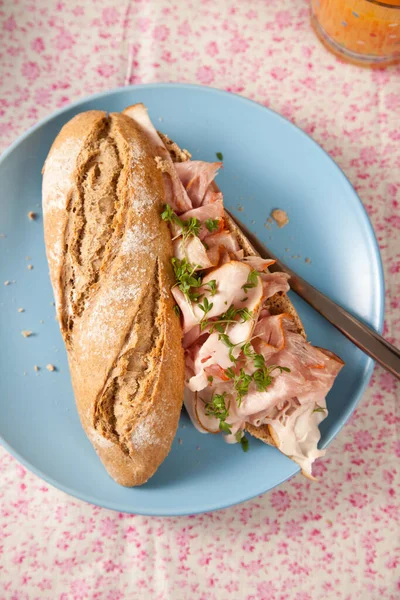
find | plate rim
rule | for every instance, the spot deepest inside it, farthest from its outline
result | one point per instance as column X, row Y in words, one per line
column 376, row 321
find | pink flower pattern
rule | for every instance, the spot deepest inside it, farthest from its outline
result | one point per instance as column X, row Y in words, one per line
column 337, row 539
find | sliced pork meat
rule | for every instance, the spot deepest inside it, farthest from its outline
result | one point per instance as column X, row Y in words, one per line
column 196, row 176
column 194, row 251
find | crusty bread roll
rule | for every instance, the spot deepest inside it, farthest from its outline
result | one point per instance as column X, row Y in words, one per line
column 109, row 256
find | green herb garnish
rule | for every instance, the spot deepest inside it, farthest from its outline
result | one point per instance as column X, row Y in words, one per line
column 229, row 316
column 225, row 339
column 212, row 285
column 241, row 383
column 211, row 224
column 186, row 281
column 244, row 442
column 218, row 409
column 263, row 376
column 219, row 155
column 252, row 280
column 170, row 216
column 190, row 227
column 230, row 373
column 177, row 310
column 206, row 306
column 319, row 408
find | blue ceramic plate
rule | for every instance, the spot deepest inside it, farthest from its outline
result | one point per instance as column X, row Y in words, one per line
column 268, row 163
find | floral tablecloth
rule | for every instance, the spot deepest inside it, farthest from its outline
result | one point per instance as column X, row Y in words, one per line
column 302, row 541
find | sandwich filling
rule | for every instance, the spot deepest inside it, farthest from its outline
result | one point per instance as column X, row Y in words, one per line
column 245, row 365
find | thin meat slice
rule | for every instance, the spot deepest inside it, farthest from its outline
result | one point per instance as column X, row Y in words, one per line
column 194, row 251
column 275, row 283
column 258, row 263
column 203, row 213
column 223, row 239
column 269, row 335
column 196, row 176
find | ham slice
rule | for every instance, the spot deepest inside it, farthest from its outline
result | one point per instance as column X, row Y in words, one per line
column 196, row 408
column 275, row 283
column 298, row 435
column 209, row 211
column 258, row 263
column 223, row 239
column 229, row 280
column 269, row 335
column 194, row 251
column 196, row 176
column 217, row 358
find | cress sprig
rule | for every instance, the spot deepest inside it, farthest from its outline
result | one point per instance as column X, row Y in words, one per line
column 217, row 408
column 190, row 227
column 186, row 280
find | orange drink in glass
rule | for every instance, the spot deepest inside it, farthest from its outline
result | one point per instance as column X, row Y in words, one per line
column 364, row 32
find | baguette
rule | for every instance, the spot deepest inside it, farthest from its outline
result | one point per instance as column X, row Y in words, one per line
column 109, row 255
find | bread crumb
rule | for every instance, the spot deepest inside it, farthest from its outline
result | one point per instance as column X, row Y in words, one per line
column 307, row 260
column 287, row 249
column 267, row 226
column 50, row 367
column 36, row 368
column 180, row 441
column 280, row 217
column 21, row 310
column 240, row 208
column 7, row 282
column 32, row 215
column 26, row 333
column 269, row 220
column 197, row 447
column 30, row 267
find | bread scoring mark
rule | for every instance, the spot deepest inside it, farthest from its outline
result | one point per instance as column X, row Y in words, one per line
column 107, row 316
column 92, row 208
column 97, row 439
column 126, row 398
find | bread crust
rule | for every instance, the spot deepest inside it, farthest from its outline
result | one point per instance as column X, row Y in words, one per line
column 109, row 255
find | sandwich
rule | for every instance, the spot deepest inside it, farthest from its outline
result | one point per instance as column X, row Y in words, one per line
column 161, row 300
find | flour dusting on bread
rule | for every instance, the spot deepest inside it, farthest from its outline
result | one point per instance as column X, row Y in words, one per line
column 110, row 262
column 138, row 240
column 57, row 174
column 96, row 438
column 144, row 434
